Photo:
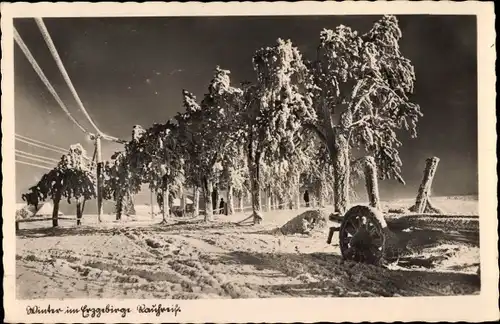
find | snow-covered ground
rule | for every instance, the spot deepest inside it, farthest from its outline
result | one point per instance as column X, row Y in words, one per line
column 140, row 258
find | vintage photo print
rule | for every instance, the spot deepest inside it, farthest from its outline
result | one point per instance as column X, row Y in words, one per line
column 249, row 162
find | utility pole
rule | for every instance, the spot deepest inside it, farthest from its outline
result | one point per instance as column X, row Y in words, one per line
column 99, row 176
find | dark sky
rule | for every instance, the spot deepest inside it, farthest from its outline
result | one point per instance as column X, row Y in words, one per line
column 131, row 71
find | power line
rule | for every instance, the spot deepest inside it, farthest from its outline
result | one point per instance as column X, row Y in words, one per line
column 41, row 146
column 62, row 69
column 41, row 157
column 42, row 76
column 91, row 165
column 34, row 159
column 41, row 143
column 35, row 165
column 57, row 58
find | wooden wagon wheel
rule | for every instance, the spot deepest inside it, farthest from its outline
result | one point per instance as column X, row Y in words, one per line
column 363, row 235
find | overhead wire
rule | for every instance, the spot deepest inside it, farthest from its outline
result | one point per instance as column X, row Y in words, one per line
column 41, row 157
column 62, row 69
column 34, row 159
column 40, row 146
column 34, row 164
column 42, row 143
column 44, row 79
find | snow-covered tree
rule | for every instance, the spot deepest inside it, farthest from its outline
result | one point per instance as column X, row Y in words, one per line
column 70, row 179
column 361, row 86
column 119, row 183
column 207, row 126
column 234, row 173
column 318, row 175
column 192, row 146
column 124, row 174
column 275, row 109
column 163, row 164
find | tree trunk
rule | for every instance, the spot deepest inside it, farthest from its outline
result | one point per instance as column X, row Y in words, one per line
column 208, row 192
column 55, row 212
column 159, row 200
column 269, row 198
column 297, row 194
column 241, row 201
column 119, row 207
column 255, row 190
column 151, row 202
column 182, row 201
column 166, row 201
column 83, row 205
column 341, row 170
column 422, row 203
column 215, row 200
column 321, row 194
column 196, row 201
column 230, row 200
column 162, row 205
column 79, row 212
column 256, row 201
column 372, row 182
column 130, row 205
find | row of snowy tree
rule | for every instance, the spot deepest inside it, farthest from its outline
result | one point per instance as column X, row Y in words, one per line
column 300, row 123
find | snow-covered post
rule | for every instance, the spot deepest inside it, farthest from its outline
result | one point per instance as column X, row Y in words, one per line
column 422, row 203
column 372, row 182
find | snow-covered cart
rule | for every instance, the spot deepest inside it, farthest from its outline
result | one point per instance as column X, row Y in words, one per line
column 368, row 235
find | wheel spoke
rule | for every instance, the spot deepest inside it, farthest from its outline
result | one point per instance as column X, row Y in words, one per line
column 374, row 234
column 358, row 221
column 353, row 223
column 371, row 228
column 350, row 229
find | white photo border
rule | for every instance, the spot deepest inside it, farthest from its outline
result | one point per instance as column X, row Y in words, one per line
column 457, row 308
